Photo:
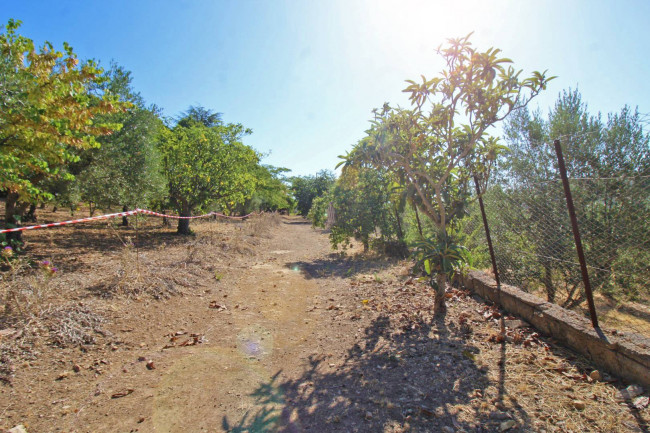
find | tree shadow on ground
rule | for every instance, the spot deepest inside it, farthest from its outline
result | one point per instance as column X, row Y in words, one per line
column 294, row 223
column 407, row 378
column 68, row 247
column 335, row 265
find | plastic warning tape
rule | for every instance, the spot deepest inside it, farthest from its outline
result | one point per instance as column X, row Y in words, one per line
column 234, row 217
column 150, row 212
column 63, row 223
column 117, row 215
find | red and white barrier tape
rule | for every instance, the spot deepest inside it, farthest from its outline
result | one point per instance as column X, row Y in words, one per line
column 120, row 214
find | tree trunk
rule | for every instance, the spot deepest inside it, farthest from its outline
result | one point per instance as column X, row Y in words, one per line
column 125, row 219
column 439, row 306
column 400, row 233
column 184, row 224
column 417, row 218
column 31, row 214
column 13, row 211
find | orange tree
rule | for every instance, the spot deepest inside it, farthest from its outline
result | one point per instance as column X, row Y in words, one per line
column 47, row 112
column 206, row 164
column 442, row 141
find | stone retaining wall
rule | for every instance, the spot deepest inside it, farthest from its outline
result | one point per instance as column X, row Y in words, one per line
column 623, row 355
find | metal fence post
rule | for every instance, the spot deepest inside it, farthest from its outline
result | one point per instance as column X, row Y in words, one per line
column 487, row 232
column 576, row 233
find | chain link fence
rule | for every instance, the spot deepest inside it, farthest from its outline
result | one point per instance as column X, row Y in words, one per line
column 535, row 250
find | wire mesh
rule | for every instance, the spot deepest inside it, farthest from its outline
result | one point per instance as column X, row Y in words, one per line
column 535, row 249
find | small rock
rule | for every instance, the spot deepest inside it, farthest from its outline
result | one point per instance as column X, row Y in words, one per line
column 141, row 420
column 499, row 415
column 368, row 415
column 514, row 323
column 150, row 365
column 630, row 392
column 579, row 404
column 641, row 402
column 18, row 429
column 76, row 368
column 596, row 376
column 62, row 375
column 507, row 425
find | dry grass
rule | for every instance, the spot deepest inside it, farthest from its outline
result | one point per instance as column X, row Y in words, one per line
column 25, row 288
column 262, row 225
column 122, row 263
column 72, row 325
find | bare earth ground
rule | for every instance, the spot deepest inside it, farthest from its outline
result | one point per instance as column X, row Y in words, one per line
column 258, row 326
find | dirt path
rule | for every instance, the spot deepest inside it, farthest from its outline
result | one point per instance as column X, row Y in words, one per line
column 266, row 329
column 288, row 336
column 262, row 323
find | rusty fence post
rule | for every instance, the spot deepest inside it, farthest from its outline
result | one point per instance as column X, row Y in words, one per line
column 487, row 232
column 576, row 234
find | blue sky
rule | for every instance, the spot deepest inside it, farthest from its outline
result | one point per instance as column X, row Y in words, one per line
column 305, row 74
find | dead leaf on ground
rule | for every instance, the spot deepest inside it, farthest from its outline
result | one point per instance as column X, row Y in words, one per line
column 122, row 393
column 216, row 306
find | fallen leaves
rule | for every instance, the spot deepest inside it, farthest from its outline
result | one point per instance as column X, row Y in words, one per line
column 217, row 306
column 193, row 340
column 121, row 394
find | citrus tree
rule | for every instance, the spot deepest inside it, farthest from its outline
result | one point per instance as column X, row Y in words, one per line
column 307, row 188
column 207, row 165
column 49, row 107
column 271, row 192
